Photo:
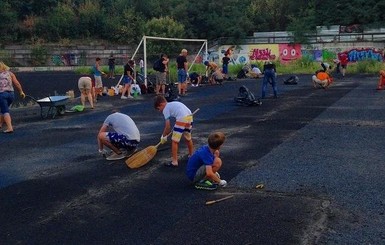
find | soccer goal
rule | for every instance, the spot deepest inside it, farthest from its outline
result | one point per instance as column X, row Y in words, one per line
column 143, row 43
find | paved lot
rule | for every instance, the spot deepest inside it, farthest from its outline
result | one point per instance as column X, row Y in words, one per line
column 317, row 152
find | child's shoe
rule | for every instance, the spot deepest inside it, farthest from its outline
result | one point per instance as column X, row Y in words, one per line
column 206, row 185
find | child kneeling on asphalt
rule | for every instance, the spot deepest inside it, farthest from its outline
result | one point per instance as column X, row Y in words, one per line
column 203, row 165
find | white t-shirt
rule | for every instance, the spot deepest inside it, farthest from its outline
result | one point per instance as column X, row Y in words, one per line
column 123, row 124
column 256, row 70
column 176, row 110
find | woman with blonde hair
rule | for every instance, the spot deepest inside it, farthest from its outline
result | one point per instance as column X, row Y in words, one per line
column 7, row 81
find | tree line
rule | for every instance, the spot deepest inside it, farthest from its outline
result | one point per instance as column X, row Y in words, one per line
column 126, row 21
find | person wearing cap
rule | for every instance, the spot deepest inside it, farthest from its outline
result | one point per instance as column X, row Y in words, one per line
column 182, row 66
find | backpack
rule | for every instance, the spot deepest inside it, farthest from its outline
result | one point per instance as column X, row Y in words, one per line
column 157, row 65
column 171, row 93
column 245, row 97
column 293, row 80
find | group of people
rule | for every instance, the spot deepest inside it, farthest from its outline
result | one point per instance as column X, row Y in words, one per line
column 203, row 164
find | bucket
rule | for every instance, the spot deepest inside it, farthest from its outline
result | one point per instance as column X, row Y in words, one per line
column 111, row 92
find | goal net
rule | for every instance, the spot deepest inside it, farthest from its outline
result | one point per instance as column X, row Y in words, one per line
column 144, row 43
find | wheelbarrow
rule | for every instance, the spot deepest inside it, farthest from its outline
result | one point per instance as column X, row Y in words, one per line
column 52, row 105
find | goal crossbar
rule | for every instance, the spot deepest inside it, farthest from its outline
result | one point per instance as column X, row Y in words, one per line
column 144, row 42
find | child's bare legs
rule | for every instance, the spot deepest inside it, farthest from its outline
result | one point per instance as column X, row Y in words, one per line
column 174, row 152
column 217, row 164
column 175, row 147
column 190, row 147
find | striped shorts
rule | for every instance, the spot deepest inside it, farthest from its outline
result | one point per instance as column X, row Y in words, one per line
column 182, row 127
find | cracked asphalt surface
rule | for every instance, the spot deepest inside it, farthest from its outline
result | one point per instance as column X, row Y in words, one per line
column 318, row 154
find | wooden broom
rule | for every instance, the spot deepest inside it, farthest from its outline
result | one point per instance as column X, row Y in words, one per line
column 144, row 156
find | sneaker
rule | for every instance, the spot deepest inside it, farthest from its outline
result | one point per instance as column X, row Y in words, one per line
column 123, row 97
column 206, row 185
column 129, row 97
column 104, row 153
column 115, row 156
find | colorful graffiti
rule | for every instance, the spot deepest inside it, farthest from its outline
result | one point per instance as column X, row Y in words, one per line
column 355, row 55
column 287, row 52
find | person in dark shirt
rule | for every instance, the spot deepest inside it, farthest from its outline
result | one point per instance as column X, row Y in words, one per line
column 182, row 66
column 111, row 67
column 161, row 75
column 269, row 71
column 225, row 65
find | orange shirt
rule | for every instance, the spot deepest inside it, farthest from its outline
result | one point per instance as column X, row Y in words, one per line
column 323, row 76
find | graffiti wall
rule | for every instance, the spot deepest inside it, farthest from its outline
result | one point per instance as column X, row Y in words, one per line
column 285, row 53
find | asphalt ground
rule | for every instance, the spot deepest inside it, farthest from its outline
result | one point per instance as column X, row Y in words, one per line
column 317, row 152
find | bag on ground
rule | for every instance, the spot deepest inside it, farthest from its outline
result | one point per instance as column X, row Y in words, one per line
column 293, row 80
column 171, row 93
column 246, row 97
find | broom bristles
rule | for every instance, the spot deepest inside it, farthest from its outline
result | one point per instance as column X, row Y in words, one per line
column 142, row 157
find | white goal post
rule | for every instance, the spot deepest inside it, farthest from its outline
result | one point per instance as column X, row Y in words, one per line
column 144, row 42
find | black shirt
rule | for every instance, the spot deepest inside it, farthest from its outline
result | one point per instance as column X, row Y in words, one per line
column 180, row 60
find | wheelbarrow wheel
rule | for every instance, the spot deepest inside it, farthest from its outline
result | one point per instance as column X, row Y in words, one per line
column 61, row 110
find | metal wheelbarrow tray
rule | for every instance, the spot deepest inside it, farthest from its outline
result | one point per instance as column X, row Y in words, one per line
column 52, row 106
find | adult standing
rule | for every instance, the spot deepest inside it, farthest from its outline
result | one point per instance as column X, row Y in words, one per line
column 269, row 71
column 141, row 65
column 7, row 82
column 111, row 67
column 225, row 65
column 344, row 60
column 127, row 80
column 182, row 66
column 122, row 139
column 85, row 88
column 97, row 71
column 161, row 75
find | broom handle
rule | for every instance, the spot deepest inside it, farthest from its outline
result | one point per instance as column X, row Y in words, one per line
column 195, row 111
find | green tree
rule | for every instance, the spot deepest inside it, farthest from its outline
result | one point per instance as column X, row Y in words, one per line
column 163, row 27
column 8, row 18
column 126, row 29
column 60, row 23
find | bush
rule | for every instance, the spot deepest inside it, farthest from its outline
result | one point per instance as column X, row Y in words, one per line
column 39, row 55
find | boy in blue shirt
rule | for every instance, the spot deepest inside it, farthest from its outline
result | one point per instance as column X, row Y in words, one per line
column 203, row 165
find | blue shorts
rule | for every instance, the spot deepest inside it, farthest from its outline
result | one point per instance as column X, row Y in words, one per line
column 121, row 141
column 126, row 80
column 6, row 99
column 182, row 75
column 225, row 69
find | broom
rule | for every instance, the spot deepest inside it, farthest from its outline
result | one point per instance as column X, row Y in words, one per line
column 144, row 156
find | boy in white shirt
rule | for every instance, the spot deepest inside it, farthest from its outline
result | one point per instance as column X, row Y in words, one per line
column 183, row 125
